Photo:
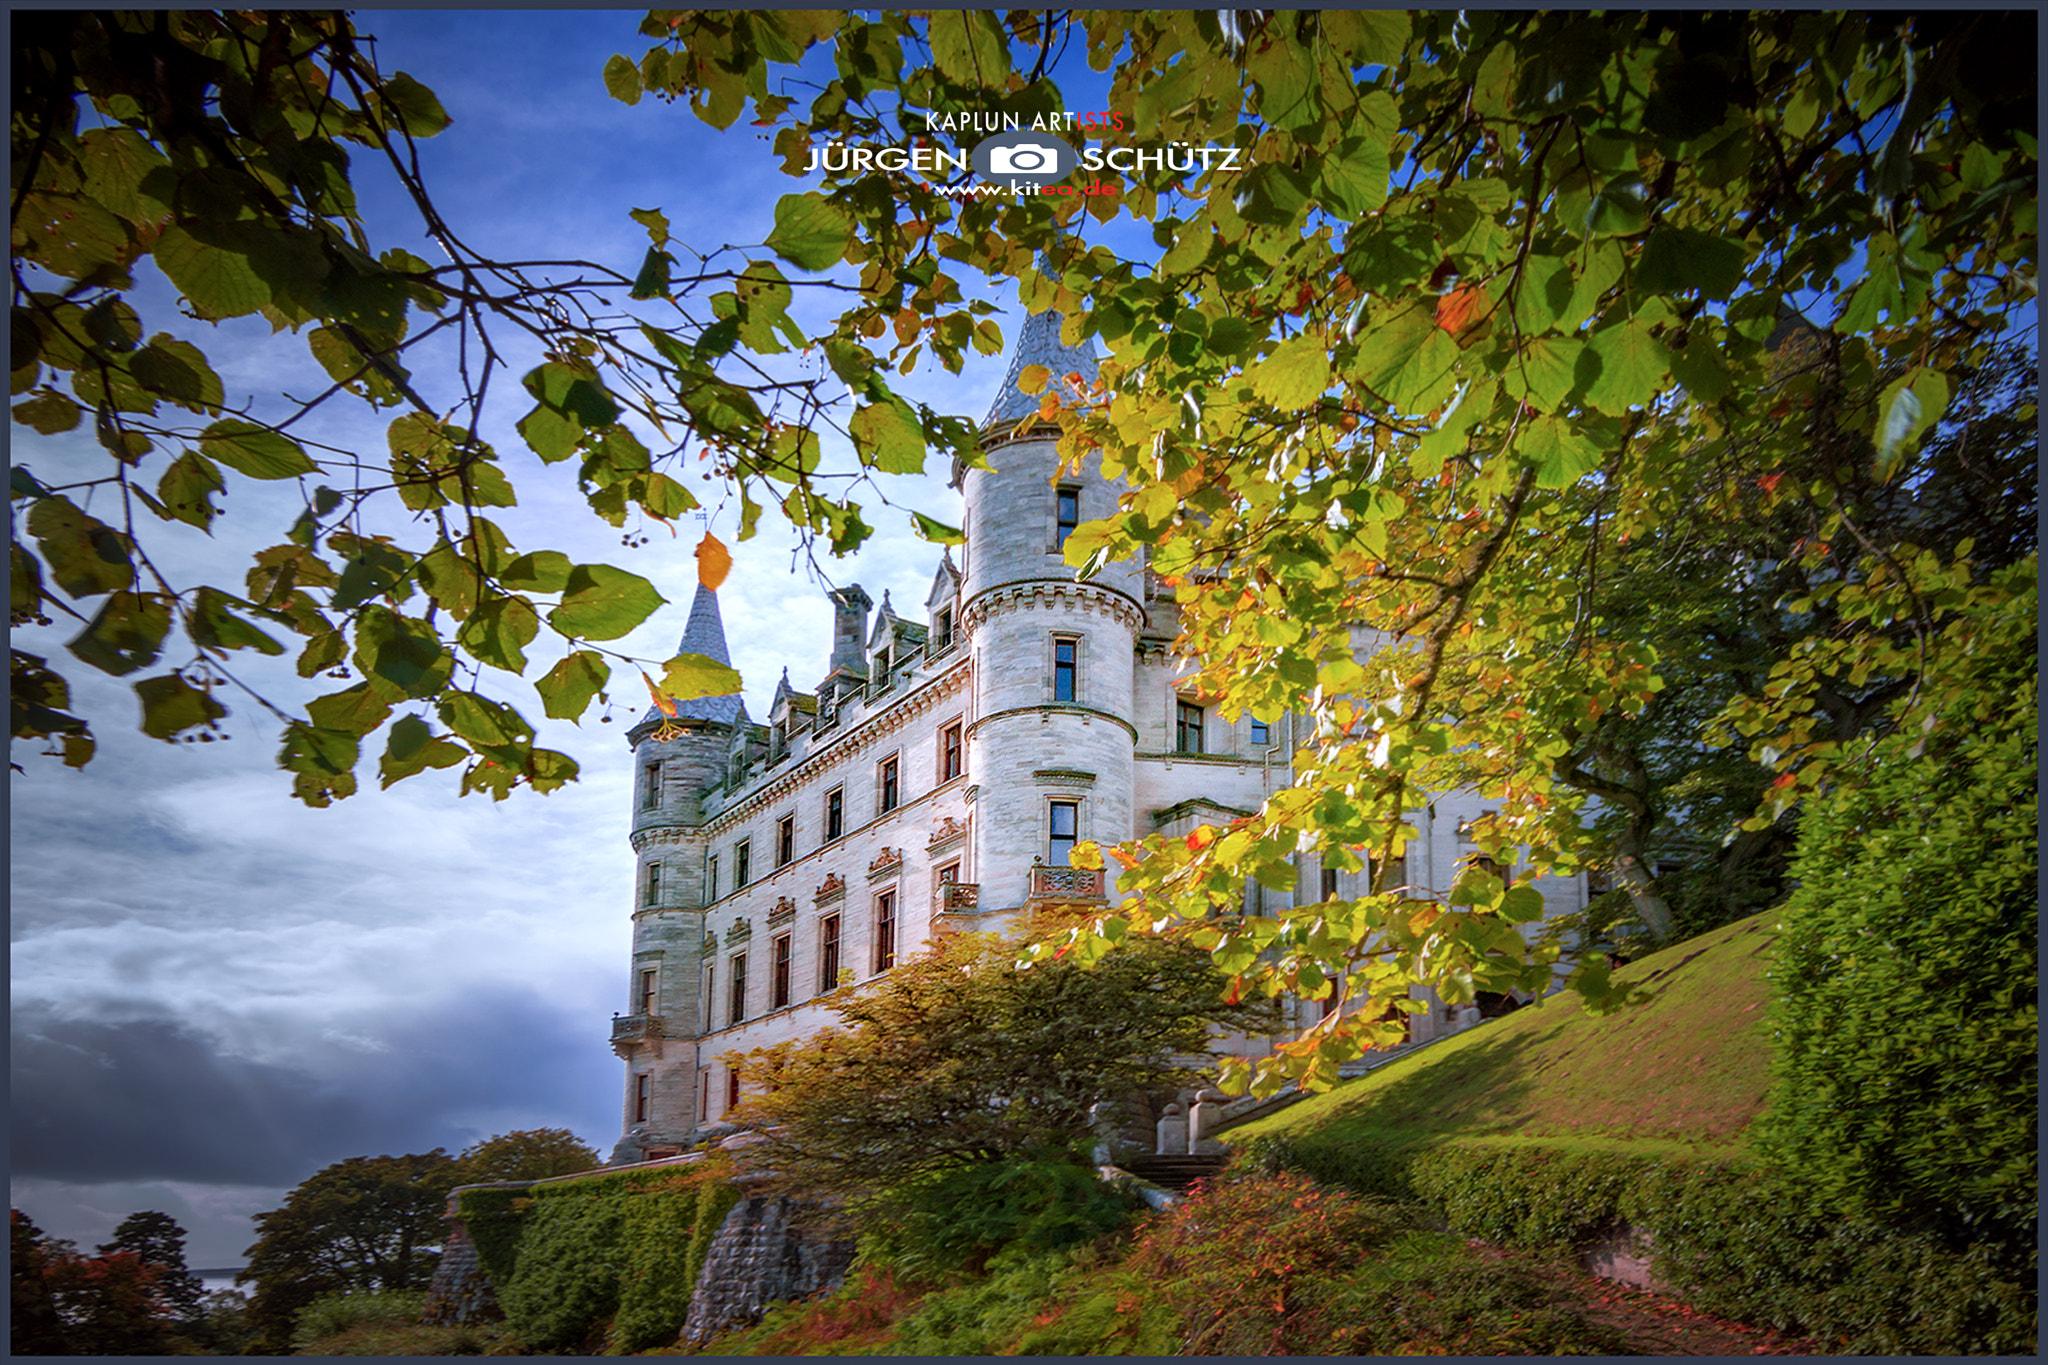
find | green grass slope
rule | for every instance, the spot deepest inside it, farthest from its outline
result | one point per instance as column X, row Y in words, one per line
column 1684, row 1071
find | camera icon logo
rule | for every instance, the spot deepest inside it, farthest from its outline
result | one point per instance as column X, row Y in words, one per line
column 1024, row 158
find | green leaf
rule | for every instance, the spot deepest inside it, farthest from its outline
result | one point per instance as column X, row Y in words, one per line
column 1354, row 176
column 1449, row 438
column 811, row 232
column 603, row 603
column 969, row 48
column 49, row 412
column 178, row 370
column 86, row 556
column 937, row 532
column 1677, row 260
column 652, row 281
column 1908, row 407
column 170, row 705
column 187, row 487
column 218, row 283
column 622, row 80
column 1545, row 371
column 413, row 747
column 482, row 721
column 126, row 634
column 402, row 652
column 1561, row 453
column 419, row 113
column 321, row 760
column 255, row 451
column 1295, row 375
column 656, row 223
column 551, row 435
column 567, row 688
column 1633, row 366
column 357, row 710
column 498, row 632
column 541, row 571
column 213, row 624
column 689, row 676
column 1367, row 37
column 888, row 437
column 1544, row 293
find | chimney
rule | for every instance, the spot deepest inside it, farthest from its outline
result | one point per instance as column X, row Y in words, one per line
column 850, row 631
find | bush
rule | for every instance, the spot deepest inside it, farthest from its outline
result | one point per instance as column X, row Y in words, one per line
column 332, row 1314
column 959, row 1219
column 1906, row 1085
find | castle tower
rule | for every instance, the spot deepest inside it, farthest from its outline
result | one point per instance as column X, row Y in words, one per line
column 677, row 759
column 1052, row 742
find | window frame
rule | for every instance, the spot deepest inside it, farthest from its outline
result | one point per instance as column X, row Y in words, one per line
column 885, row 930
column 1064, row 497
column 650, row 794
column 952, row 750
column 710, row 878
column 835, row 813
column 650, row 992
column 785, row 840
column 780, row 958
column 732, row 1089
column 1055, row 856
column 742, row 864
column 831, row 936
column 1066, row 671
column 650, row 885
column 1182, row 727
column 1329, row 884
column 643, row 1096
column 889, row 784
column 736, row 990
column 1261, row 733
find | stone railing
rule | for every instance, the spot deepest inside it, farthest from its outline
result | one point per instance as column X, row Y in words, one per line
column 628, row 1029
column 1066, row 884
column 949, row 897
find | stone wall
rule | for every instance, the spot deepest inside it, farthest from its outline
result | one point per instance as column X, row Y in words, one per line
column 460, row 1293
column 761, row 1255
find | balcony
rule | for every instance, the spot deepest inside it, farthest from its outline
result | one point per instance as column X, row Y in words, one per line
column 630, row 1030
column 1066, row 884
column 949, row 898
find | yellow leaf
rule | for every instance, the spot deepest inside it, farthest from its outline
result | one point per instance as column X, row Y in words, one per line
column 668, row 708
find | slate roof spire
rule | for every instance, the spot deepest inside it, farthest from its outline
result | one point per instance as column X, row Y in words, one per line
column 1038, row 343
column 703, row 634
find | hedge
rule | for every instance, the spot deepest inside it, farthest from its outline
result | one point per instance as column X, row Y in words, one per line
column 617, row 1253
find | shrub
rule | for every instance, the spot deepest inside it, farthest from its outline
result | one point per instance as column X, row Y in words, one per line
column 1905, row 1084
column 958, row 1219
column 332, row 1314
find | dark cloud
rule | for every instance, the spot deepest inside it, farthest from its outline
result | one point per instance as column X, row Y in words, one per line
column 157, row 1100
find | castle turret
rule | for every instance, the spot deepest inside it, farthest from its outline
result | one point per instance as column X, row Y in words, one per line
column 1053, row 656
column 678, row 757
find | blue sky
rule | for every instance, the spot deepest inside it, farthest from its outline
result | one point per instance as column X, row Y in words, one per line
column 218, row 991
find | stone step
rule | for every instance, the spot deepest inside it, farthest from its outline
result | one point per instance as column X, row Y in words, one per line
column 1175, row 1172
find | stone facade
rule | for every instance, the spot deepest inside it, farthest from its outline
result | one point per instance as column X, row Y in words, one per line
column 934, row 778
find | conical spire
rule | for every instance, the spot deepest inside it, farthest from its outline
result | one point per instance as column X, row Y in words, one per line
column 703, row 634
column 1038, row 343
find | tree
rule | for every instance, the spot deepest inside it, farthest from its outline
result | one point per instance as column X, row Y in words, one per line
column 1475, row 300
column 532, row 1154
column 65, row 1303
column 367, row 1223
column 157, row 1240
column 960, row 1057
column 34, row 1329
column 215, row 147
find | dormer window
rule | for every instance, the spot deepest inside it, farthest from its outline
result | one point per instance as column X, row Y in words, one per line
column 942, row 631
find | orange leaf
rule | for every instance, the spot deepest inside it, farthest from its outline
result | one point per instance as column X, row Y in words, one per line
column 668, row 707
column 1769, row 482
column 1460, row 308
column 1200, row 838
column 714, row 562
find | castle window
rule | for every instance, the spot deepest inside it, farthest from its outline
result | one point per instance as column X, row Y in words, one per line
column 942, row 631
column 778, row 974
column 651, row 890
column 1262, row 733
column 643, row 1097
column 704, row 1103
column 949, row 753
column 736, row 1009
column 649, row 980
column 885, row 931
column 1066, row 516
column 828, row 954
column 732, row 1090
column 1329, row 883
column 1066, row 823
column 742, row 860
column 1187, row 730
column 650, row 796
column 1066, row 658
column 711, row 879
column 835, row 813
column 891, row 784
column 710, row 990
column 785, row 840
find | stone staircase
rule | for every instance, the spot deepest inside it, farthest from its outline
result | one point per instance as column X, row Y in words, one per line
column 1175, row 1173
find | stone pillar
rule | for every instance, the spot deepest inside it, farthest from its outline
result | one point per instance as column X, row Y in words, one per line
column 1203, row 1118
column 1173, row 1132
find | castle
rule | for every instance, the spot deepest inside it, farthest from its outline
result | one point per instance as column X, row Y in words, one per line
column 939, row 775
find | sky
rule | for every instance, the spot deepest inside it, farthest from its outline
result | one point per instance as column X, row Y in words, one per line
column 217, row 991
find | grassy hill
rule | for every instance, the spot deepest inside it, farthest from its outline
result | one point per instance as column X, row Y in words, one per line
column 1684, row 1071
